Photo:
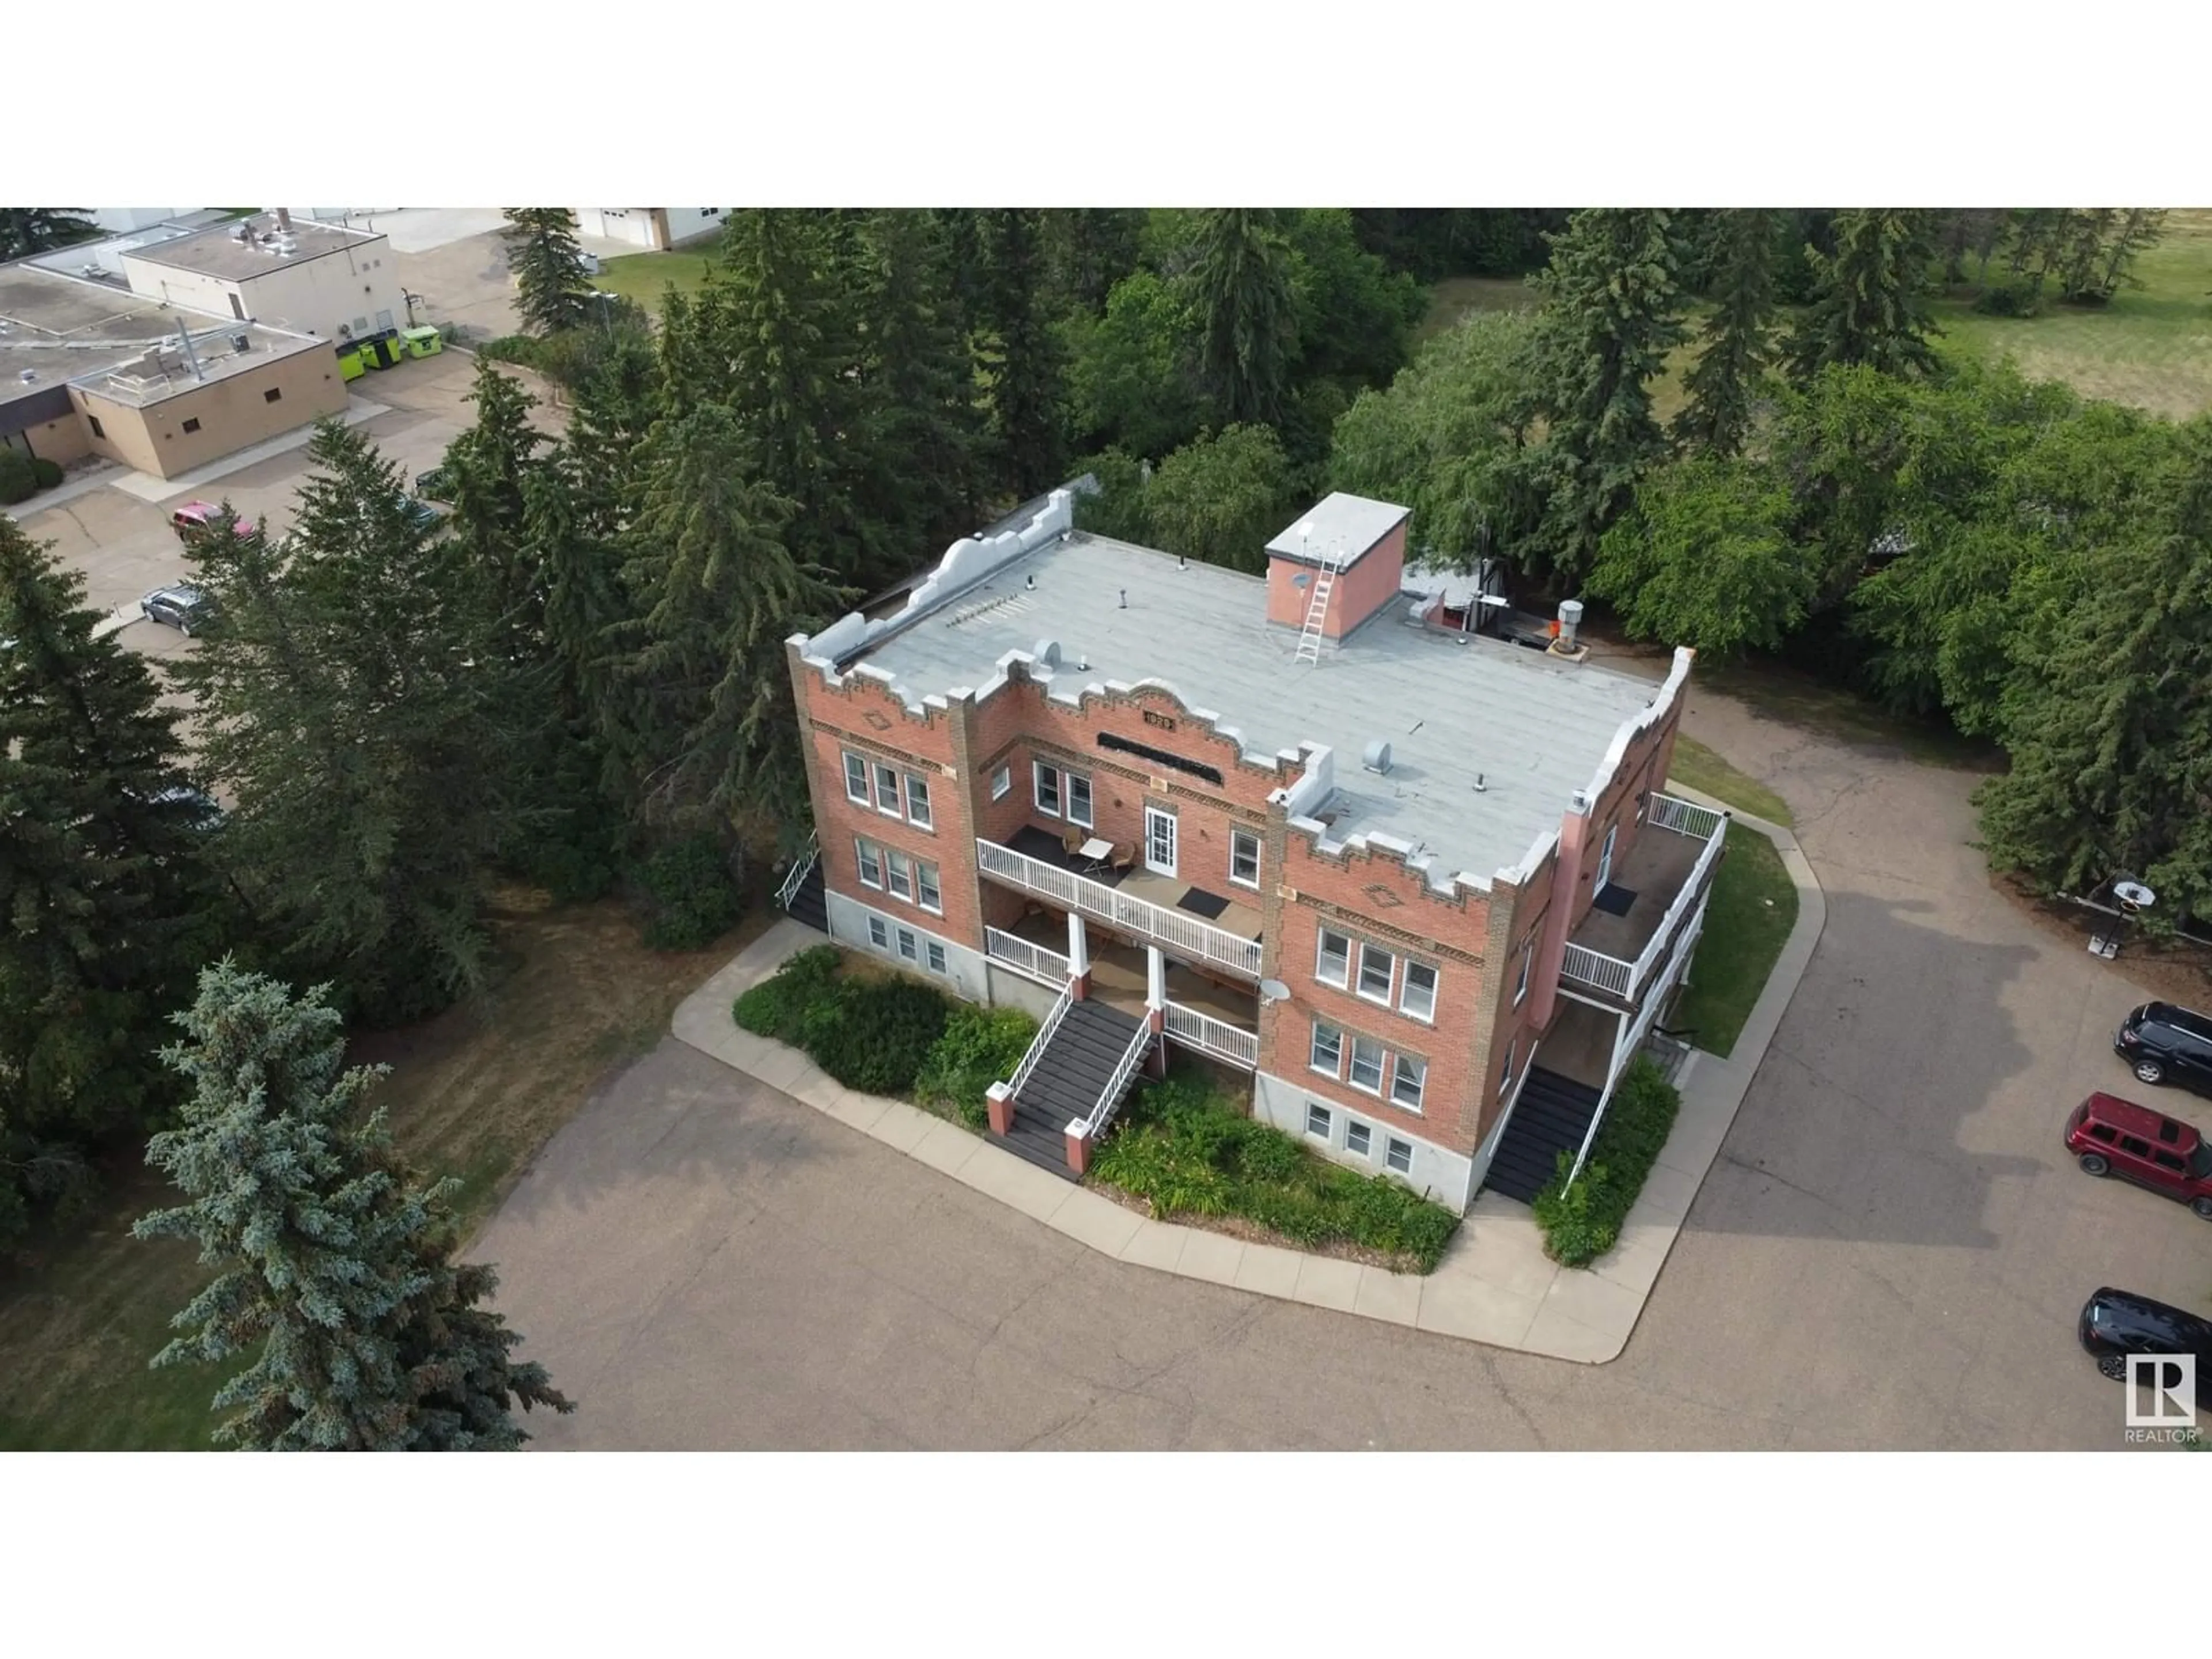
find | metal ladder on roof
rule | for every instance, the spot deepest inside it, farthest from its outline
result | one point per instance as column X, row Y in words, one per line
column 1317, row 607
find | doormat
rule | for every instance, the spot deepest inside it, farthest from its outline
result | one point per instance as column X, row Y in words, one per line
column 1200, row 902
column 1614, row 900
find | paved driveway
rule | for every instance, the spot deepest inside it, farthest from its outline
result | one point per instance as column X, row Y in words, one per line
column 1890, row 1252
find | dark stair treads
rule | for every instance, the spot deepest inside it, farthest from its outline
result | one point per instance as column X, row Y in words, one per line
column 1067, row 1081
column 1551, row 1116
column 809, row 901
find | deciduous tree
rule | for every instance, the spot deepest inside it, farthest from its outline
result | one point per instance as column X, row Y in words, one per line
column 25, row 231
column 1221, row 498
column 1706, row 560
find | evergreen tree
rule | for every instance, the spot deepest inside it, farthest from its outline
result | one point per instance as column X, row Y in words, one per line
column 25, row 231
column 708, row 730
column 1609, row 317
column 488, row 467
column 334, row 1261
column 552, row 292
column 357, row 700
column 2108, row 720
column 1241, row 287
column 107, row 901
column 1020, row 354
column 1737, row 342
column 1089, row 250
column 926, row 435
column 1868, row 305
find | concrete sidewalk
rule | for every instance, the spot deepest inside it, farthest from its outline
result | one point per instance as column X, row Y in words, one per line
column 1494, row 1286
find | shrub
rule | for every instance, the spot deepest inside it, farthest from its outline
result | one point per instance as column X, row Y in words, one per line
column 18, row 481
column 2008, row 298
column 979, row 1047
column 694, row 899
column 1189, row 1152
column 776, row 1008
column 1582, row 1223
column 875, row 1036
column 511, row 348
column 47, row 473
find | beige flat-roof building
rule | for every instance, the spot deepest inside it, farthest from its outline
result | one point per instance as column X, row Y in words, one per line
column 329, row 282
column 88, row 367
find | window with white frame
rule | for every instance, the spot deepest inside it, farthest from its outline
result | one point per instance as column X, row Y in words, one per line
column 1047, row 792
column 879, row 933
column 1244, row 857
column 1408, row 1077
column 901, row 872
column 1398, row 1155
column 1327, row 1054
column 1333, row 960
column 1417, row 996
column 887, row 793
column 1367, row 1065
column 1001, row 782
column 1359, row 1138
column 925, row 886
column 871, row 864
column 1377, row 970
column 1317, row 1120
column 1078, row 798
column 907, row 947
column 1520, row 988
column 856, row 778
column 917, row 802
column 936, row 956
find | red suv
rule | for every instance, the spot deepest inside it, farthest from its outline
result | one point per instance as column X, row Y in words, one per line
column 2112, row 1136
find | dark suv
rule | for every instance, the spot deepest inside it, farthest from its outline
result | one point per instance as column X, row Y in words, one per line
column 2115, row 1324
column 2112, row 1136
column 2163, row 1043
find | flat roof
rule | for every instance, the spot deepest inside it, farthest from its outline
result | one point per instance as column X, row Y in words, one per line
column 61, row 330
column 1349, row 526
column 217, row 251
column 1489, row 742
column 101, row 261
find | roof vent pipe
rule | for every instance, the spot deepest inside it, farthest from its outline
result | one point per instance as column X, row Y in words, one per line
column 1048, row 653
column 1124, row 605
column 1571, row 618
column 1375, row 757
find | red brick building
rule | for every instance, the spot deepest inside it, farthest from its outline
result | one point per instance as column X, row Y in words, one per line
column 1423, row 884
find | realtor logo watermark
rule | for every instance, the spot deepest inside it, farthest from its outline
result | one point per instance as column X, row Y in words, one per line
column 2162, row 1397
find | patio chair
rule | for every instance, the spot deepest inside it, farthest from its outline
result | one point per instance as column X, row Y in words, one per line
column 1072, row 843
column 1123, row 858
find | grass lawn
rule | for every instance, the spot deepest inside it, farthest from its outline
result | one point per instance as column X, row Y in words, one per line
column 1455, row 297
column 1701, row 768
column 1752, row 908
column 645, row 277
column 2152, row 346
column 474, row 1092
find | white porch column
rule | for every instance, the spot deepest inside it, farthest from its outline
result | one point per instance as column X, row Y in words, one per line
column 1078, row 955
column 1155, row 978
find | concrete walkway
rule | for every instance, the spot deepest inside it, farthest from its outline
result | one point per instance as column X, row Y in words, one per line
column 1494, row 1286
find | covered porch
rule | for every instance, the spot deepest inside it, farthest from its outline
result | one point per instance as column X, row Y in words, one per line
column 1648, row 899
column 1111, row 889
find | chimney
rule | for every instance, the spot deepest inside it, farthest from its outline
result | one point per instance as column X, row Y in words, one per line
column 1571, row 618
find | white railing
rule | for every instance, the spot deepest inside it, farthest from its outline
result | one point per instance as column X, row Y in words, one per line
column 1124, row 910
column 1684, row 899
column 1043, row 1039
column 1030, row 958
column 1109, row 1097
column 1627, row 1043
column 799, row 866
column 1594, row 968
column 1214, row 1036
column 1685, row 817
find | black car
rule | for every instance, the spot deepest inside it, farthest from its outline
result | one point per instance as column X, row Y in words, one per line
column 2164, row 1043
column 423, row 515
column 433, row 485
column 180, row 607
column 2116, row 1323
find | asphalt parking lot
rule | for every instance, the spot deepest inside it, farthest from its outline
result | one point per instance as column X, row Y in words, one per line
column 1890, row 1252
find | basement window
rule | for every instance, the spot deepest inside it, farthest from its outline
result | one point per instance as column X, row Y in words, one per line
column 98, row 431
column 192, row 425
column 1359, row 1138
column 1399, row 1156
column 273, row 395
column 1317, row 1120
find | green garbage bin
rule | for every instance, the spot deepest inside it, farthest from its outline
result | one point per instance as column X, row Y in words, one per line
column 422, row 341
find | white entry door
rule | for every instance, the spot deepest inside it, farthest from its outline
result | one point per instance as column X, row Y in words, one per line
column 1159, row 840
column 1605, row 861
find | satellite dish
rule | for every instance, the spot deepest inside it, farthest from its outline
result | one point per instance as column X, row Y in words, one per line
column 2133, row 896
column 1274, row 990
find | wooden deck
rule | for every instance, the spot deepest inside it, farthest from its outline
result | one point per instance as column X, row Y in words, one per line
column 1655, row 871
column 1118, row 973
